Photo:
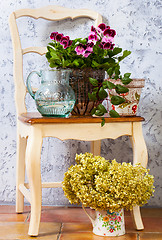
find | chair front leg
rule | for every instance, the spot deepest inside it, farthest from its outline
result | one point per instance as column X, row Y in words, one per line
column 139, row 156
column 33, row 155
column 20, row 172
column 96, row 147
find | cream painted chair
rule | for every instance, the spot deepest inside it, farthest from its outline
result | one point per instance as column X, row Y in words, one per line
column 32, row 127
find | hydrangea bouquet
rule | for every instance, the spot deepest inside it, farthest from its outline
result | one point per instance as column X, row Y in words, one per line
column 97, row 51
column 107, row 185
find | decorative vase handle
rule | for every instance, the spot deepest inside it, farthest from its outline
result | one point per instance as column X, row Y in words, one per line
column 28, row 83
column 92, row 220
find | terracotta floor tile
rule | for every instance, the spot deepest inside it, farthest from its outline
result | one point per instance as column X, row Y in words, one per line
column 150, row 236
column 13, row 217
column 91, row 236
column 150, row 225
column 151, row 212
column 7, row 209
column 76, row 227
column 16, row 231
column 65, row 215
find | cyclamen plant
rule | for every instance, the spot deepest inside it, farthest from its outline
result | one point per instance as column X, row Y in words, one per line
column 97, row 51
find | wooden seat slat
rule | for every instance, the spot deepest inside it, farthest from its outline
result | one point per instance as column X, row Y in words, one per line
column 37, row 118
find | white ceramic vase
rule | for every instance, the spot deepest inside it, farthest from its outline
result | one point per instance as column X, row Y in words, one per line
column 108, row 224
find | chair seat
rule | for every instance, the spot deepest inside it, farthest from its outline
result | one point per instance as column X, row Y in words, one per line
column 37, row 118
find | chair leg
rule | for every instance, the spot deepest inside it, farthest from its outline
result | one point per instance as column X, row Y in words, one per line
column 96, row 147
column 20, row 172
column 139, row 156
column 33, row 155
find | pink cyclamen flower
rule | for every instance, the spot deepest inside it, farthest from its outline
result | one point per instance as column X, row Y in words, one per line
column 109, row 32
column 53, row 35
column 80, row 49
column 59, row 36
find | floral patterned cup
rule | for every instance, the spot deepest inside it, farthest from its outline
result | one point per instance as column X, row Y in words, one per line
column 108, row 224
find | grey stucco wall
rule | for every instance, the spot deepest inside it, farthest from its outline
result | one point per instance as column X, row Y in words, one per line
column 138, row 29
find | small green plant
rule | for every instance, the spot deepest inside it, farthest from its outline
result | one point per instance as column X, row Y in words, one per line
column 102, row 184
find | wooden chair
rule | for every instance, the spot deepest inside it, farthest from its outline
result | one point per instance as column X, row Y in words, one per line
column 32, row 127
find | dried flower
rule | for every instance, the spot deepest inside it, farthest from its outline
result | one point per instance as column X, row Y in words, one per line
column 103, row 184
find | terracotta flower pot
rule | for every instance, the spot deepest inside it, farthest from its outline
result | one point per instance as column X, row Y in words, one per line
column 79, row 81
column 130, row 106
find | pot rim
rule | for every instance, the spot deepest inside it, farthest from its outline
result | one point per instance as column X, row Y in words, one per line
column 135, row 83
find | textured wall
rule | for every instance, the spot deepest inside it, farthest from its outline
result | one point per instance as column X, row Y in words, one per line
column 138, row 29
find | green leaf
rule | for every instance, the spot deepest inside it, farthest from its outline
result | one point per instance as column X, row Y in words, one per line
column 110, row 72
column 103, row 122
column 102, row 93
column 121, row 89
column 126, row 80
column 95, row 64
column 116, row 100
column 110, row 85
column 115, row 51
column 114, row 114
column 125, row 54
column 54, row 55
column 127, row 75
column 95, row 90
column 93, row 81
column 98, row 113
column 101, row 108
column 92, row 96
column 93, row 111
column 117, row 70
column 76, row 62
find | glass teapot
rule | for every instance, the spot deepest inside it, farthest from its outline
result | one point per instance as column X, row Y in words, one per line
column 54, row 97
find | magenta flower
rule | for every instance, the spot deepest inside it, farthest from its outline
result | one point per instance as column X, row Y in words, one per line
column 92, row 37
column 80, row 49
column 109, row 32
column 70, row 43
column 101, row 45
column 91, row 44
column 65, row 41
column 107, row 39
column 102, row 26
column 59, row 36
column 112, row 46
column 107, row 45
column 53, row 35
column 86, row 53
column 93, row 29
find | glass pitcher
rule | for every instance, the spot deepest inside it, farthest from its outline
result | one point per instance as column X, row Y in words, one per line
column 54, row 97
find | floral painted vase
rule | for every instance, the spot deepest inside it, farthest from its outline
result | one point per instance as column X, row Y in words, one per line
column 130, row 106
column 107, row 223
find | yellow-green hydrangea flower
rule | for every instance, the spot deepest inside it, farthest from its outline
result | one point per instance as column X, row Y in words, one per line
column 102, row 184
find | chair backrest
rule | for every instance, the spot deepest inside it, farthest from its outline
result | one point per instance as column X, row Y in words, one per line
column 51, row 13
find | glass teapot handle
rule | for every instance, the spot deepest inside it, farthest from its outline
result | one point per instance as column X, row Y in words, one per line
column 28, row 83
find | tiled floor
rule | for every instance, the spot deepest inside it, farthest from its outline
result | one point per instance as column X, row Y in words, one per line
column 61, row 223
